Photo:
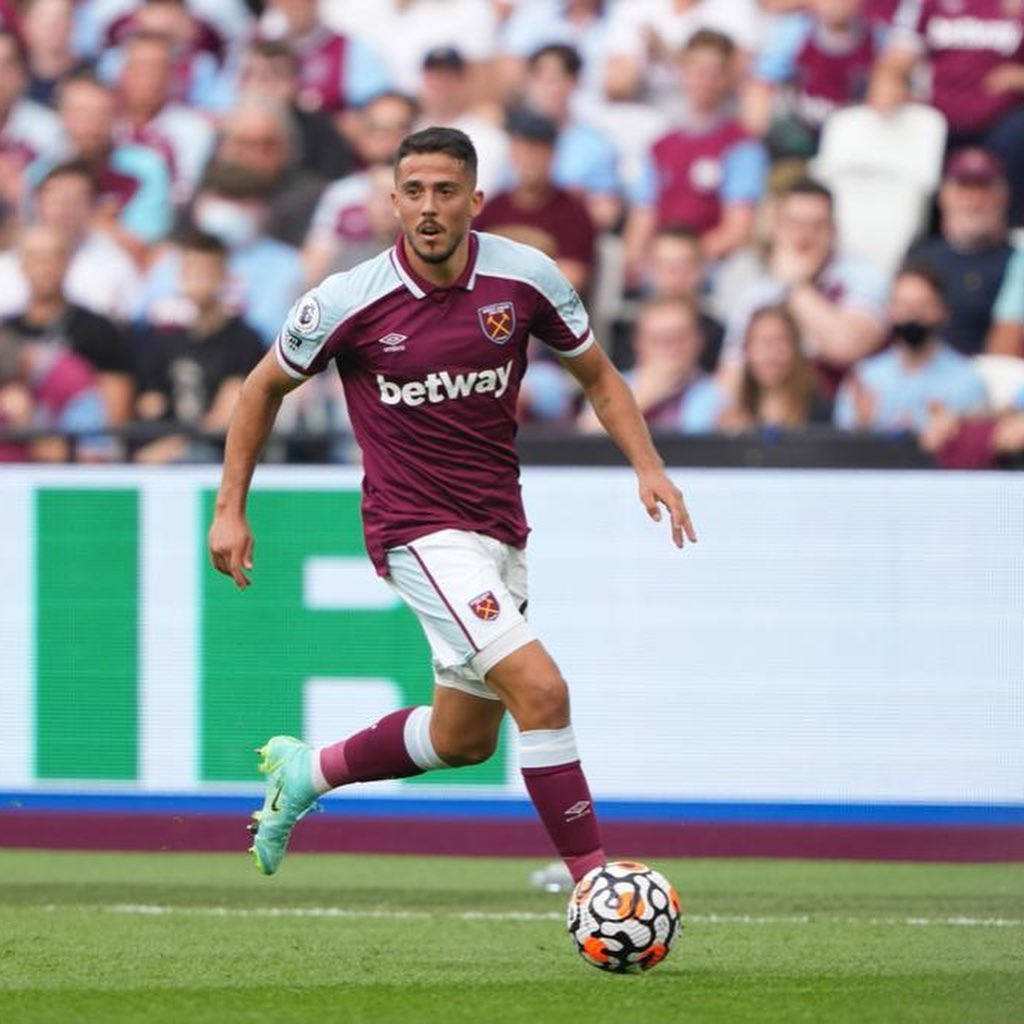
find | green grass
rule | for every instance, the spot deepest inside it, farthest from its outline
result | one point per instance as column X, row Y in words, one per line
column 767, row 941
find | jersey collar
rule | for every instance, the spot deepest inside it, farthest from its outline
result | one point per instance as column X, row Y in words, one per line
column 419, row 286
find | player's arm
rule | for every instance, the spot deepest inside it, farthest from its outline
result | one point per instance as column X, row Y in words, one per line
column 613, row 403
column 258, row 402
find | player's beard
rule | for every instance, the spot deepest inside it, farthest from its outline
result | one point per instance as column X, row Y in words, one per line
column 434, row 257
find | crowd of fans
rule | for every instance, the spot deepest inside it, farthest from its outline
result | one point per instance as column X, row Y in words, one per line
column 175, row 173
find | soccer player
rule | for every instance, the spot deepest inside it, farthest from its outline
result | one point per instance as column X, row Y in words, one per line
column 430, row 341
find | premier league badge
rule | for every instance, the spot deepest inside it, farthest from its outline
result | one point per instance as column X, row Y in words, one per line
column 497, row 321
column 485, row 606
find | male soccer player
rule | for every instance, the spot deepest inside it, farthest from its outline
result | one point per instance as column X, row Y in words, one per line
column 430, row 341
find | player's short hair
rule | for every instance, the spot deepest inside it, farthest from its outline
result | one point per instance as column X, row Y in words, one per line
column 191, row 239
column 710, row 39
column 450, row 141
column 77, row 168
column 568, row 56
column 808, row 187
column 927, row 272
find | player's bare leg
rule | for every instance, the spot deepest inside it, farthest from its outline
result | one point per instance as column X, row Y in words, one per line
column 532, row 688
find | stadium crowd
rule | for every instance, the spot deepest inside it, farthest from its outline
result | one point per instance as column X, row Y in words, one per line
column 781, row 213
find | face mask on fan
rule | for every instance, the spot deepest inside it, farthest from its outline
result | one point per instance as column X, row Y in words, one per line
column 913, row 333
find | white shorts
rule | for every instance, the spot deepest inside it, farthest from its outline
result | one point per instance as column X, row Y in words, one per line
column 469, row 593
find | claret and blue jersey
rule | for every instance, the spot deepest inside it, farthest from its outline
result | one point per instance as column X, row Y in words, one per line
column 432, row 377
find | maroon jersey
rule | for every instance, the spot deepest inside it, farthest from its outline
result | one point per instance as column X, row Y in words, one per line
column 563, row 219
column 964, row 40
column 322, row 71
column 827, row 79
column 431, row 377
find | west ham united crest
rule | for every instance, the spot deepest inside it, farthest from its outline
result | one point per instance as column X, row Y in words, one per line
column 485, row 606
column 497, row 321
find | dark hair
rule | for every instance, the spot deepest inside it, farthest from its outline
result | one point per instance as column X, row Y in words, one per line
column 234, row 181
column 83, row 76
column 391, row 94
column 77, row 168
column 927, row 272
column 708, row 38
column 678, row 231
column 275, row 49
column 568, row 56
column 808, row 187
column 449, row 141
column 801, row 383
column 194, row 240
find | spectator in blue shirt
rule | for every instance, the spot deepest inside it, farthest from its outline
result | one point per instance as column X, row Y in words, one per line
column 1007, row 334
column 585, row 161
column 898, row 388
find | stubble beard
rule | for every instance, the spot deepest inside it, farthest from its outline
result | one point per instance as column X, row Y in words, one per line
column 434, row 257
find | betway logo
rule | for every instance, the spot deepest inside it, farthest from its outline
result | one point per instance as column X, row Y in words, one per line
column 439, row 387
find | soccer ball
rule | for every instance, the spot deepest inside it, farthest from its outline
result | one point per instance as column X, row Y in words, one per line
column 623, row 916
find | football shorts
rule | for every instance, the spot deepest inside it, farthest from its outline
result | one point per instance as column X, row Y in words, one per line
column 469, row 593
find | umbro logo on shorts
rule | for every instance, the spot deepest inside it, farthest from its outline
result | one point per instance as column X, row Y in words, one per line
column 485, row 606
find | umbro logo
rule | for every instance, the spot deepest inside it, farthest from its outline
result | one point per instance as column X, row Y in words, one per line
column 394, row 342
column 577, row 810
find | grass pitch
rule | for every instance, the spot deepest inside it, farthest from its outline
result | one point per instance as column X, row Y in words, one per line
column 188, row 938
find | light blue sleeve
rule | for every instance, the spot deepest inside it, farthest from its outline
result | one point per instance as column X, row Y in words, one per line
column 1009, row 304
column 744, row 172
column 777, row 61
column 644, row 189
column 85, row 412
column 586, row 159
column 701, row 408
column 365, row 74
column 865, row 286
column 972, row 395
column 148, row 213
column 843, row 412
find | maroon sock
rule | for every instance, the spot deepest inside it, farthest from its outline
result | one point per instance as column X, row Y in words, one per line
column 375, row 753
column 562, row 798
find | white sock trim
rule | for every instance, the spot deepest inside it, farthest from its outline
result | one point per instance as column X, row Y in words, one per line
column 320, row 784
column 417, row 740
column 546, row 748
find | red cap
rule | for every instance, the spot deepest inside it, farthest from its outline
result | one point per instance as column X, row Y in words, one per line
column 974, row 164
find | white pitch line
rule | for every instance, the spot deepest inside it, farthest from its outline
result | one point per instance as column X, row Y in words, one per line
column 163, row 910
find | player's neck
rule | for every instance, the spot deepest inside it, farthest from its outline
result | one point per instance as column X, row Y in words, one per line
column 440, row 274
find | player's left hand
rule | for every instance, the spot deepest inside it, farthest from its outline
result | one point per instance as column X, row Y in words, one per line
column 655, row 490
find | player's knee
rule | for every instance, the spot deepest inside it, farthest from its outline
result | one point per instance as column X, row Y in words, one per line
column 460, row 751
column 545, row 704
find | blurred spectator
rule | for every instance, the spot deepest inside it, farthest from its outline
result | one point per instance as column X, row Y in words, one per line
column 548, row 394
column 47, row 28
column 133, row 181
column 181, row 135
column 258, row 135
column 28, row 130
column 45, row 386
column 270, row 69
column 45, row 253
column 1007, row 334
column 644, row 36
column 895, row 390
column 405, row 31
column 265, row 275
column 822, row 58
column 778, row 390
column 666, row 380
column 101, row 276
column 973, row 251
column 198, row 40
column 536, row 24
column 709, row 174
column 971, row 442
column 446, row 99
column 191, row 374
column 336, row 72
column 975, row 53
column 381, row 125
column 676, row 270
column 837, row 301
column 354, row 221
column 585, row 160
column 536, row 206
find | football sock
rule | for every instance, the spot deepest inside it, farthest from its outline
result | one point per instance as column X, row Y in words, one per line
column 558, row 788
column 394, row 748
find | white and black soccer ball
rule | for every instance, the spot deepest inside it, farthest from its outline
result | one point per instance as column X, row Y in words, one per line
column 623, row 917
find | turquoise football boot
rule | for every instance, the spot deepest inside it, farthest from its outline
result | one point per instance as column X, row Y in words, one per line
column 290, row 797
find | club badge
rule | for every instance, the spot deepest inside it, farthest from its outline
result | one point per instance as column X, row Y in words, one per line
column 485, row 606
column 497, row 321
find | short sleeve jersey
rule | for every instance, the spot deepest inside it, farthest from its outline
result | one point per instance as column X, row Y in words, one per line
column 431, row 377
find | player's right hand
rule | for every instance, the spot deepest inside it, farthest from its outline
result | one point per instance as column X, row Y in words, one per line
column 231, row 542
